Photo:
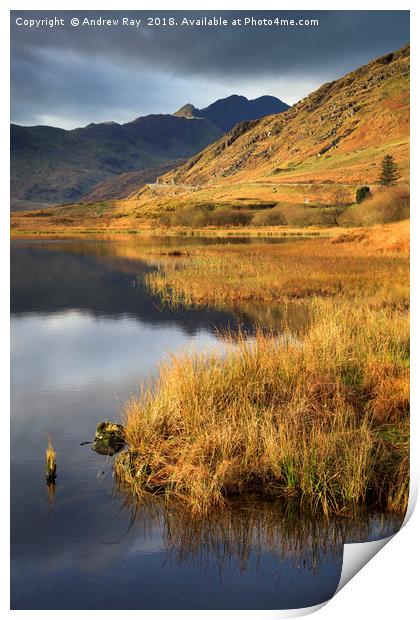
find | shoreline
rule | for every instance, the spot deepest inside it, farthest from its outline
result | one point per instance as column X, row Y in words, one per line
column 325, row 419
column 276, row 232
column 269, row 232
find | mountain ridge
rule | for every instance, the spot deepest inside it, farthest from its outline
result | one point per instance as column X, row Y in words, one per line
column 55, row 165
column 304, row 165
column 339, row 114
column 226, row 113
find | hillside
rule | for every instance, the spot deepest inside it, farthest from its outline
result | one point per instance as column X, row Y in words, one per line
column 122, row 185
column 226, row 113
column 298, row 168
column 317, row 152
column 52, row 165
column 358, row 114
column 49, row 164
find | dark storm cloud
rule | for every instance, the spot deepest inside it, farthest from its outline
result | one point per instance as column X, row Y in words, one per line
column 73, row 75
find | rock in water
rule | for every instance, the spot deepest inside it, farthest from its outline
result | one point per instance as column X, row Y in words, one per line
column 107, row 449
column 106, row 430
column 109, row 438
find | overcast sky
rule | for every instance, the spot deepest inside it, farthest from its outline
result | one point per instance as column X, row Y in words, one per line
column 70, row 76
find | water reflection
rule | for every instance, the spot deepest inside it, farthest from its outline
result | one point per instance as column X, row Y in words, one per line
column 105, row 279
column 84, row 334
column 248, row 528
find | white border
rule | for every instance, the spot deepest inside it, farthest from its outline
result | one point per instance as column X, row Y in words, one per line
column 387, row 586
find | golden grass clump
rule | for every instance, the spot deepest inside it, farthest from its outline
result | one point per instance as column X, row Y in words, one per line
column 321, row 416
column 50, row 462
column 307, row 419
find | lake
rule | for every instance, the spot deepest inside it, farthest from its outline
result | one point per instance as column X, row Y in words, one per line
column 85, row 333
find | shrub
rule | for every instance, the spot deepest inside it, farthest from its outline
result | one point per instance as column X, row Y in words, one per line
column 386, row 205
column 341, row 196
column 195, row 216
column 273, row 217
column 192, row 216
column 298, row 215
column 362, row 193
column 225, row 216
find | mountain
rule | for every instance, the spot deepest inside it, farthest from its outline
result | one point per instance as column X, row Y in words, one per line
column 300, row 162
column 55, row 165
column 226, row 113
column 188, row 111
column 338, row 133
column 52, row 165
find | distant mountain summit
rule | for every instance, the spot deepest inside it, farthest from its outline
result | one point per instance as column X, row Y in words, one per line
column 226, row 113
column 188, row 111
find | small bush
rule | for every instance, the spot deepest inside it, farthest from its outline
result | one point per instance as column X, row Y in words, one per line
column 386, row 205
column 225, row 216
column 273, row 217
column 191, row 216
column 362, row 193
column 197, row 216
column 297, row 215
column 301, row 216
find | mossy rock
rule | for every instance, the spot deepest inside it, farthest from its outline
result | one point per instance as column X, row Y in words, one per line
column 107, row 448
column 109, row 438
column 110, row 431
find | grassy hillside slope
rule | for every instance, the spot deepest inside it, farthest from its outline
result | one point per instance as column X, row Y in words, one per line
column 123, row 185
column 298, row 168
column 318, row 151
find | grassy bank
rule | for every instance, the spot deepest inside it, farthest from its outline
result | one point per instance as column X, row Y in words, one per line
column 366, row 263
column 323, row 419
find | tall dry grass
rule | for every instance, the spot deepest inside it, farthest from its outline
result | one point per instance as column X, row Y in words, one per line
column 50, row 461
column 220, row 275
column 324, row 419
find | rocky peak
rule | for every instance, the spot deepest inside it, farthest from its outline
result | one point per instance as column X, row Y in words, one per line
column 188, row 111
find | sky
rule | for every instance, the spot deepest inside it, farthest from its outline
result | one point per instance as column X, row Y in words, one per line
column 69, row 76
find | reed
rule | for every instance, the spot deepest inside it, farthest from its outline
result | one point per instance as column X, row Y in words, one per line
column 220, row 275
column 324, row 419
column 50, row 462
column 322, row 416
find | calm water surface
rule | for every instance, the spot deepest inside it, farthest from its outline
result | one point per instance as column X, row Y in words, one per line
column 85, row 333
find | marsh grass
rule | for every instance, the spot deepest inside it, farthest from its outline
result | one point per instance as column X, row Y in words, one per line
column 50, row 462
column 220, row 275
column 322, row 418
